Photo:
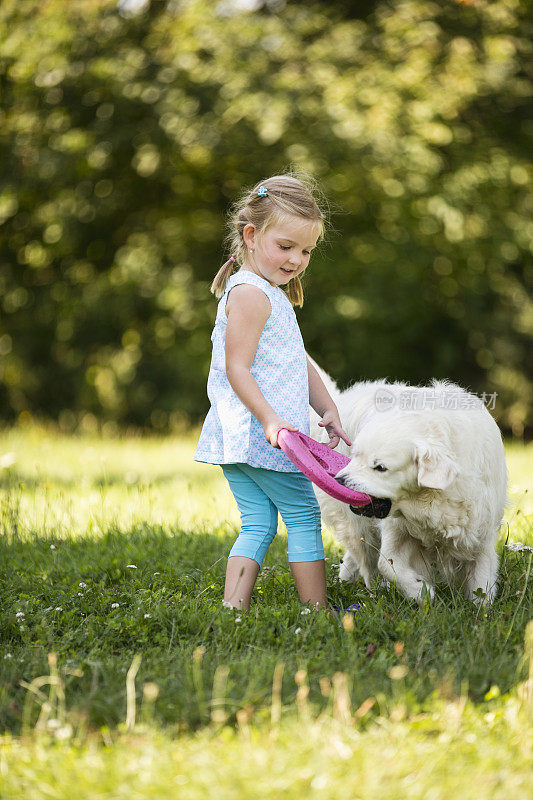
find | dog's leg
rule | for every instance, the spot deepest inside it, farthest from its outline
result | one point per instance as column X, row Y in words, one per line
column 361, row 538
column 482, row 574
column 362, row 553
column 396, row 559
column 367, row 549
column 359, row 535
column 348, row 569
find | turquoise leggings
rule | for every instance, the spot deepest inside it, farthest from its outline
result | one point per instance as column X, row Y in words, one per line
column 260, row 494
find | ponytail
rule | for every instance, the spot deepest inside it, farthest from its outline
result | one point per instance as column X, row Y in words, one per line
column 218, row 287
column 295, row 292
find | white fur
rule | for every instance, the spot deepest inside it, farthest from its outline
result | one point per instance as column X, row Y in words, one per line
column 446, row 479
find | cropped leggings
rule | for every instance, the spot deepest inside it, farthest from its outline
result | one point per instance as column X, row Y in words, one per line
column 260, row 494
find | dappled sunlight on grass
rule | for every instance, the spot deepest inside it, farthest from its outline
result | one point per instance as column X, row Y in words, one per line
column 520, row 490
column 114, row 553
column 81, row 485
column 70, row 485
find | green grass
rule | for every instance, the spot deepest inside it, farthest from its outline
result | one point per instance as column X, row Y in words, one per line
column 444, row 679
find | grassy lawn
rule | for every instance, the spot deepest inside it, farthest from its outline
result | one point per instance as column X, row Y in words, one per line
column 113, row 561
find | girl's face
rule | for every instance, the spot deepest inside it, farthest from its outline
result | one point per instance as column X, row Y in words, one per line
column 283, row 251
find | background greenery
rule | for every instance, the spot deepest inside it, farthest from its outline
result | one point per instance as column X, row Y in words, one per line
column 124, row 136
column 116, row 548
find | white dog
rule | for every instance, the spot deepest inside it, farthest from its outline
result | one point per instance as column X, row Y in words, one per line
column 437, row 455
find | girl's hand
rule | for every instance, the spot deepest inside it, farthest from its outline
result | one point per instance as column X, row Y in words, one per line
column 331, row 422
column 271, row 428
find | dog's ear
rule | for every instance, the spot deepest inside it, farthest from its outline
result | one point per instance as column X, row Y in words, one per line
column 436, row 467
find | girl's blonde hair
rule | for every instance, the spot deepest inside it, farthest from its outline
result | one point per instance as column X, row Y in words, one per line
column 268, row 202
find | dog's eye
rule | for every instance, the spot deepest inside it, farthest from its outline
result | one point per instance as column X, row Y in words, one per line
column 380, row 468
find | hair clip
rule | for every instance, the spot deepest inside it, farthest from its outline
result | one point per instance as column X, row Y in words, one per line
column 262, row 191
column 232, row 258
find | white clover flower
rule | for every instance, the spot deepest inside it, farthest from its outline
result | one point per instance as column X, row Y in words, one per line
column 131, row 566
column 8, row 655
column 53, row 547
column 516, row 546
column 19, row 614
column 115, row 605
column 226, row 604
column 58, row 608
column 80, row 594
column 237, row 619
column 82, row 585
column 298, row 630
column 147, row 616
column 305, row 611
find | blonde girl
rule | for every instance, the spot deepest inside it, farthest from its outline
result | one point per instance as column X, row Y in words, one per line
column 261, row 380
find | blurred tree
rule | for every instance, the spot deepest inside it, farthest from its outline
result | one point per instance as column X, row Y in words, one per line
column 125, row 133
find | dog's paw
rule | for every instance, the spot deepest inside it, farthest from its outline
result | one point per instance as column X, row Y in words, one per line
column 347, row 572
column 424, row 592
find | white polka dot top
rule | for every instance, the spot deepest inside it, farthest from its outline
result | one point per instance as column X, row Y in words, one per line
column 230, row 433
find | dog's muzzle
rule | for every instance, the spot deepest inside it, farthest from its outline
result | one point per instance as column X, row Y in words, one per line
column 378, row 507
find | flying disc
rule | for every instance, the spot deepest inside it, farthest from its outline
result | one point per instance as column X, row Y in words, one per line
column 320, row 464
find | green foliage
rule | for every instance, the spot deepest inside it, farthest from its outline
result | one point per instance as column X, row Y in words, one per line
column 111, row 548
column 125, row 136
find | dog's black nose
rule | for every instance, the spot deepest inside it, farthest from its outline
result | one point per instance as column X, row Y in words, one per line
column 378, row 507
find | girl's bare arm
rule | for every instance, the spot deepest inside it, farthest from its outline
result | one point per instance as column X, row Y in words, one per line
column 247, row 310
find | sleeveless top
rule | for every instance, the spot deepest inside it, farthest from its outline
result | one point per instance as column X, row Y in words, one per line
column 230, row 433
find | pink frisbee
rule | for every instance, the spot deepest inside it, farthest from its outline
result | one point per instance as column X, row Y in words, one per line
column 320, row 463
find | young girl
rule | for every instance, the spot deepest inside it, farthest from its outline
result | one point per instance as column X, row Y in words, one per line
column 261, row 380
